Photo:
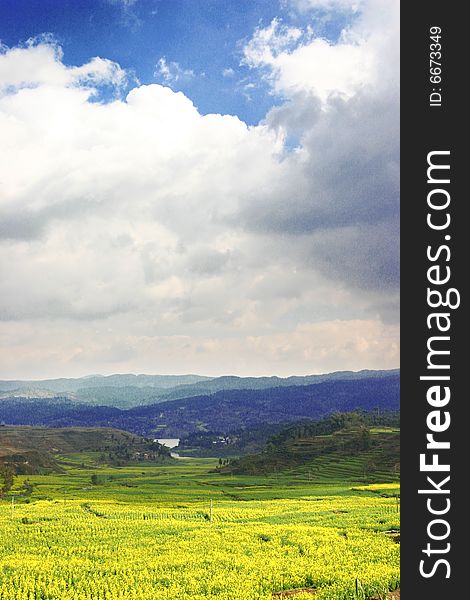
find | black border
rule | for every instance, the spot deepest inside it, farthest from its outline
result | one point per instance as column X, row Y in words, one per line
column 425, row 128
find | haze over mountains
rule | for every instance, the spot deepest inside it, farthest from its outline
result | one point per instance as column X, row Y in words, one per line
column 176, row 406
column 110, row 390
column 129, row 390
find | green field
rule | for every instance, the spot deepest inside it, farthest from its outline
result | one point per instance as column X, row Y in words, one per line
column 145, row 532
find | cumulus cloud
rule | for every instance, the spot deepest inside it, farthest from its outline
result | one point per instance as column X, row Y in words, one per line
column 297, row 60
column 138, row 234
column 40, row 64
column 341, row 108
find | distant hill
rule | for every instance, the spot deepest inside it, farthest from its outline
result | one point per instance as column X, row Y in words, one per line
column 120, row 390
column 119, row 397
column 39, row 449
column 228, row 411
column 222, row 412
column 26, row 392
column 128, row 391
column 97, row 381
column 217, row 384
column 342, row 446
column 65, row 384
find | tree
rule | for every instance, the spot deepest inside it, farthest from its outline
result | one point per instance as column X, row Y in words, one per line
column 7, row 474
column 27, row 488
column 365, row 438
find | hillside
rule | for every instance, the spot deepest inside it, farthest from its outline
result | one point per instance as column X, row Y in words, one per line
column 128, row 391
column 236, row 443
column 253, row 440
column 64, row 384
column 39, row 449
column 121, row 390
column 224, row 383
column 342, row 446
column 222, row 412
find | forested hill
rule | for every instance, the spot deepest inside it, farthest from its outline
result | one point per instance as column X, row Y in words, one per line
column 30, row 450
column 128, row 391
column 230, row 382
column 224, row 411
column 343, row 445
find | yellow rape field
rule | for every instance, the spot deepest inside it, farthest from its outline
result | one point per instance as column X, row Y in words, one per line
column 109, row 550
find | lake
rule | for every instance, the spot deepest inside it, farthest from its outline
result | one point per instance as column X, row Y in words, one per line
column 168, row 442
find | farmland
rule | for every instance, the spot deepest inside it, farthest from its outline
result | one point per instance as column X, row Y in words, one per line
column 146, row 532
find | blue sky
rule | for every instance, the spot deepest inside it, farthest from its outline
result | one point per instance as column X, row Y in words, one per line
column 202, row 186
column 202, row 36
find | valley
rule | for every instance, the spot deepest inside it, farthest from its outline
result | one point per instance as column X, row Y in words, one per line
column 284, row 495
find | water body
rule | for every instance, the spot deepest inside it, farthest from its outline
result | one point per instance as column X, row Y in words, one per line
column 168, row 442
column 172, row 443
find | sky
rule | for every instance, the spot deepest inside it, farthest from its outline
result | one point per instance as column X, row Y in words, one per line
column 198, row 186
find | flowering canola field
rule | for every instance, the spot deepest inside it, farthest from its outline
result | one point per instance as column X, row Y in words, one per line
column 86, row 549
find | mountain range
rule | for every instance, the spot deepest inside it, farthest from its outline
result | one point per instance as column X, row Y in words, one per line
column 220, row 405
column 129, row 390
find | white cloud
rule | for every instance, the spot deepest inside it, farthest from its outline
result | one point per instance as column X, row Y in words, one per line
column 270, row 42
column 40, row 64
column 138, row 234
column 297, row 60
column 171, row 72
column 342, row 110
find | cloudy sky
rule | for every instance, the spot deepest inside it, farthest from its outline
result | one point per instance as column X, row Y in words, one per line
column 201, row 186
